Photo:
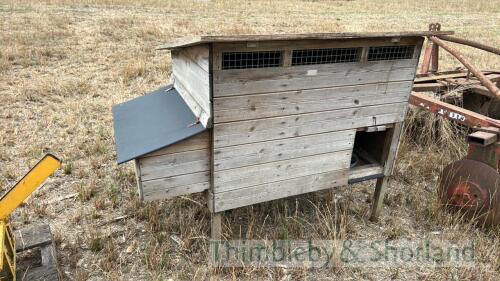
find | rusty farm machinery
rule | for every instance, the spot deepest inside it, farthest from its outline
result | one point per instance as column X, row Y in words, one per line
column 471, row 185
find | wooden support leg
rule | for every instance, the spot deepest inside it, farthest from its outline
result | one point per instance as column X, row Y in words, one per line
column 389, row 154
column 216, row 226
column 378, row 198
column 216, row 236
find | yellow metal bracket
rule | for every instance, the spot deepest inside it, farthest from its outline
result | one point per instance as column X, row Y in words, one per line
column 29, row 183
column 10, row 201
column 7, row 252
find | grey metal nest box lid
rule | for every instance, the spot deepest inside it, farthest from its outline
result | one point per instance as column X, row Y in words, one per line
column 152, row 122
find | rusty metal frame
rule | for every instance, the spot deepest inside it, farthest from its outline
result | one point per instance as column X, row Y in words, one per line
column 481, row 166
column 470, row 43
column 452, row 112
column 492, row 88
column 431, row 57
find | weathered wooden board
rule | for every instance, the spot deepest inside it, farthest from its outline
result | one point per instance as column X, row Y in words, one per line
column 255, row 106
column 197, row 109
column 365, row 171
column 200, row 141
column 191, row 79
column 288, row 45
column 32, row 237
column 309, row 37
column 138, row 179
column 165, row 188
column 198, row 54
column 280, row 189
column 180, row 169
column 390, row 149
column 234, row 133
column 247, row 176
column 269, row 151
column 276, row 79
column 334, row 70
column 169, row 165
column 40, row 263
column 190, row 71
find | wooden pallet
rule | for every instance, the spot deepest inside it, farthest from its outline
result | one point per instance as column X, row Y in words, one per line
column 36, row 254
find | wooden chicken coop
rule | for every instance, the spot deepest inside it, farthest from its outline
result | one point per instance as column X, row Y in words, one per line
column 254, row 118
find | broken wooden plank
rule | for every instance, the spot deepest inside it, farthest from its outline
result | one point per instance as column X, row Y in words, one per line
column 32, row 237
column 43, row 264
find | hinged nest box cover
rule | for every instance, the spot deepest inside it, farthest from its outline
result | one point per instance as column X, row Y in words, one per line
column 152, row 122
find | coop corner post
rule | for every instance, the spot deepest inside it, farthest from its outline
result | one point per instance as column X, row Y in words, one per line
column 215, row 220
column 215, row 238
column 216, row 226
column 389, row 151
column 378, row 198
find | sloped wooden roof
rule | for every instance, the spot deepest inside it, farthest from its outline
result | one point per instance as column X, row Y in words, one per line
column 191, row 41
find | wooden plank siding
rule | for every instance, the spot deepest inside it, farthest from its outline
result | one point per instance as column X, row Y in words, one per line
column 269, row 151
column 248, row 176
column 278, row 79
column 247, row 107
column 170, row 187
column 241, row 132
column 288, row 130
column 200, row 141
column 180, row 169
column 276, row 190
column 190, row 75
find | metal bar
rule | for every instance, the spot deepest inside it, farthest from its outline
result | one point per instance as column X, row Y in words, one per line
column 471, row 43
column 452, row 112
column 29, row 183
column 479, row 75
column 434, row 58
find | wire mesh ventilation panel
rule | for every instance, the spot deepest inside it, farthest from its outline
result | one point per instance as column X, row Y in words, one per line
column 242, row 60
column 390, row 53
column 324, row 56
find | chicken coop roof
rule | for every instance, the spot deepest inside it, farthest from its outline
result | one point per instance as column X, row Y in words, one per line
column 191, row 41
column 152, row 122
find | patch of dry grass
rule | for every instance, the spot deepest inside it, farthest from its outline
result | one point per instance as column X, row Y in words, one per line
column 64, row 63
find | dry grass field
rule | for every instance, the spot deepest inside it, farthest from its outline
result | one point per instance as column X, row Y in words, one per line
column 64, row 63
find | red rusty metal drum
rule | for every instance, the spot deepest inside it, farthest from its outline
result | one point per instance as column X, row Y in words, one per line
column 472, row 188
